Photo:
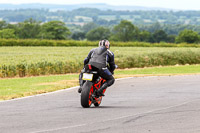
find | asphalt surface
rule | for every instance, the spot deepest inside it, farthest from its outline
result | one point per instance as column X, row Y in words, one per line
column 168, row 104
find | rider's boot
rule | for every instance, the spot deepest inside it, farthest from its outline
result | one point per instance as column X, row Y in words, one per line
column 101, row 89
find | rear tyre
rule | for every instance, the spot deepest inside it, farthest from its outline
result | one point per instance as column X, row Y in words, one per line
column 86, row 93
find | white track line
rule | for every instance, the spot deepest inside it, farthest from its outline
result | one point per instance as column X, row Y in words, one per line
column 118, row 118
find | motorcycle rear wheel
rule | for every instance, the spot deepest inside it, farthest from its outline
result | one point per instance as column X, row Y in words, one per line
column 86, row 93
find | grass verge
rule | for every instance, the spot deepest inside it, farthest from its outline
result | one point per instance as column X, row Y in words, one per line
column 11, row 88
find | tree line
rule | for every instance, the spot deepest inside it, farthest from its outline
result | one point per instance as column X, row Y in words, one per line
column 32, row 29
column 96, row 15
column 125, row 31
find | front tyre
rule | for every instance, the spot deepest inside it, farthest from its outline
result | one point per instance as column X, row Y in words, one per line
column 86, row 94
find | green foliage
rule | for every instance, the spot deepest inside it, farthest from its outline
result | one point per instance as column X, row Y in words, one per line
column 7, row 33
column 153, row 27
column 36, row 42
column 125, row 31
column 145, row 36
column 171, row 38
column 57, row 30
column 188, row 36
column 28, row 29
column 89, row 26
column 98, row 34
column 170, row 29
column 32, row 29
column 3, row 25
column 78, row 36
column 68, row 43
column 160, row 35
column 54, row 30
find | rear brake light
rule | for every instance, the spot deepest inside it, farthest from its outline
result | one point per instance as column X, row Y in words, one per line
column 90, row 67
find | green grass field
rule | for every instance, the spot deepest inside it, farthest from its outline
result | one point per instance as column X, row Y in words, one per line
column 11, row 88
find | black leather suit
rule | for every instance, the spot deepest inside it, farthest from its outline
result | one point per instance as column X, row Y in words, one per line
column 102, row 59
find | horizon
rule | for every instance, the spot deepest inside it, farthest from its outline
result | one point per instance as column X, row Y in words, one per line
column 169, row 4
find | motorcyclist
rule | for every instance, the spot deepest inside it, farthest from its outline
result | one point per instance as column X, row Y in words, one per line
column 86, row 60
column 102, row 60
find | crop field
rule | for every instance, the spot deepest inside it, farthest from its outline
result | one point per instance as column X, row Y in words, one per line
column 29, row 55
column 34, row 61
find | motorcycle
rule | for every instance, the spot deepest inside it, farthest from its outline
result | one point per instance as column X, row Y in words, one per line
column 90, row 87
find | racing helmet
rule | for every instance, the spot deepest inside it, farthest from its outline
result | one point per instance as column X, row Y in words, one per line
column 105, row 43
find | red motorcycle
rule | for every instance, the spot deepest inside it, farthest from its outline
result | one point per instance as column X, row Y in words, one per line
column 92, row 84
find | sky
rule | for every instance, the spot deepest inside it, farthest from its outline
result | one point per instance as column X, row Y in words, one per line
column 172, row 4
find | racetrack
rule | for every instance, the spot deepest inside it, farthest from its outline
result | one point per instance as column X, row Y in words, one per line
column 165, row 104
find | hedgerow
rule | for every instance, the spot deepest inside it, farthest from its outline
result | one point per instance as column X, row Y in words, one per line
column 67, row 43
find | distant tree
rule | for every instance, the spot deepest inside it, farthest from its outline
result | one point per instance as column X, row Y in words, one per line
column 7, row 33
column 188, row 36
column 152, row 28
column 125, row 31
column 98, row 34
column 171, row 38
column 145, row 36
column 3, row 25
column 170, row 29
column 55, row 30
column 89, row 26
column 78, row 36
column 156, row 27
column 28, row 29
column 159, row 36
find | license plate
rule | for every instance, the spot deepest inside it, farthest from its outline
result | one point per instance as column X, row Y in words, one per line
column 87, row 76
